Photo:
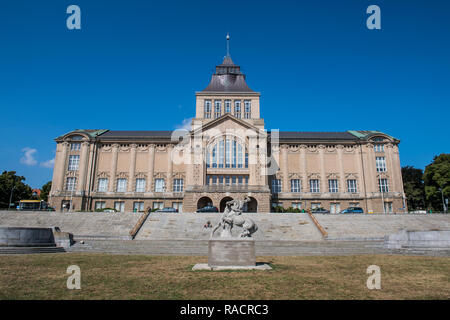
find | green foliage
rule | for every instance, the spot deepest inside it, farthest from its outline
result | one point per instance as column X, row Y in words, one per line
column 105, row 209
column 280, row 209
column 414, row 187
column 45, row 190
column 437, row 178
column 8, row 180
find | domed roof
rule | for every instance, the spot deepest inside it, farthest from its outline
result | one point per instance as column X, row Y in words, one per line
column 228, row 78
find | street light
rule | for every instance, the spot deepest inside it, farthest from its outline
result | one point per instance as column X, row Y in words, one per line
column 443, row 202
column 10, row 197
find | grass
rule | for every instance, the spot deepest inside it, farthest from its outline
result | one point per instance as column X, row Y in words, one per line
column 106, row 276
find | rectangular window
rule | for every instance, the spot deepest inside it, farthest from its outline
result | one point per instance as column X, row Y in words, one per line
column 314, row 186
column 217, row 108
column 335, row 207
column 383, row 185
column 71, row 183
column 207, row 109
column 227, row 106
column 233, row 180
column 158, row 205
column 381, row 164
column 75, row 146
column 119, row 206
column 352, row 186
column 227, row 180
column 333, row 186
column 276, row 185
column 138, row 206
column 388, row 207
column 177, row 185
column 247, row 109
column 102, row 184
column 74, row 162
column 378, row 147
column 160, row 185
column 237, row 108
column 315, row 205
column 140, row 185
column 100, row 205
column 121, row 185
column 296, row 205
column 240, row 180
column 295, row 185
column 178, row 206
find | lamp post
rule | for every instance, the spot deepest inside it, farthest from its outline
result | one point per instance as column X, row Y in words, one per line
column 443, row 202
column 10, row 197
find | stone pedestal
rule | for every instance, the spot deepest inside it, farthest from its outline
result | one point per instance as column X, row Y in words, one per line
column 225, row 252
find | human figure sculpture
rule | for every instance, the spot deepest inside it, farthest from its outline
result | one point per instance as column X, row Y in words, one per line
column 232, row 216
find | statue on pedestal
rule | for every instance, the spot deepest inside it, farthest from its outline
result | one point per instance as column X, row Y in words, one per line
column 232, row 216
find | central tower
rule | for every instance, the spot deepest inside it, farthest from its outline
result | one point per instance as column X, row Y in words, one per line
column 227, row 93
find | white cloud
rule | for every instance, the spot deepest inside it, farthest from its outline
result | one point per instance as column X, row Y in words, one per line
column 185, row 124
column 48, row 164
column 28, row 157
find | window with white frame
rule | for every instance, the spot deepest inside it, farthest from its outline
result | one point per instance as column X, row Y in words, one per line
column 75, row 146
column 158, row 205
column 227, row 152
column 388, row 207
column 178, row 206
column 378, row 147
column 314, row 186
column 217, row 108
column 160, row 185
column 315, row 205
column 140, row 185
column 383, row 185
column 237, row 108
column 207, row 109
column 295, row 185
column 121, row 185
column 380, row 164
column 119, row 206
column 296, row 205
column 138, row 206
column 247, row 109
column 227, row 106
column 74, row 162
column 71, row 182
column 100, row 205
column 177, row 185
column 102, row 185
column 333, row 186
column 352, row 186
column 276, row 185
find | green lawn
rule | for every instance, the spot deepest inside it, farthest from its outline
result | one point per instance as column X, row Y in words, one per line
column 106, row 276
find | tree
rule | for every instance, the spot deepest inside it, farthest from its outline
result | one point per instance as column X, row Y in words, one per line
column 8, row 181
column 414, row 187
column 437, row 178
column 45, row 190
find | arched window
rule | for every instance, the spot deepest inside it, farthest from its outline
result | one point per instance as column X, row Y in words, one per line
column 227, row 152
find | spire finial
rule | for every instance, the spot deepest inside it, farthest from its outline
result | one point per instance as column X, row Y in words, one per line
column 228, row 44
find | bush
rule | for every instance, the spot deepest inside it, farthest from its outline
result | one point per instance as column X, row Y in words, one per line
column 105, row 209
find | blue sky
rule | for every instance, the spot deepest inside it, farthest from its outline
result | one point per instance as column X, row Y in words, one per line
column 135, row 65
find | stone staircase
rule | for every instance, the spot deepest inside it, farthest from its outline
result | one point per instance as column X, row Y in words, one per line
column 376, row 226
column 271, row 226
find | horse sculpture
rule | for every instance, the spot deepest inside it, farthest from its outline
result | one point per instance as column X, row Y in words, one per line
column 232, row 216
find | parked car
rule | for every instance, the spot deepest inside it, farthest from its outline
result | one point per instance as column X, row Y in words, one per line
column 320, row 210
column 208, row 209
column 167, row 209
column 353, row 210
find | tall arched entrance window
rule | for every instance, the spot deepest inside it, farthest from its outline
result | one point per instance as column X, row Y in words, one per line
column 227, row 152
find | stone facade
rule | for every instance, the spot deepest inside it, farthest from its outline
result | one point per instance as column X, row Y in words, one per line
column 227, row 154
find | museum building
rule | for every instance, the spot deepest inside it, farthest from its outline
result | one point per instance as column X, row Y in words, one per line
column 227, row 154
